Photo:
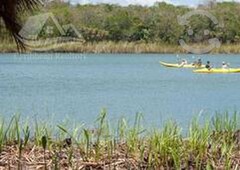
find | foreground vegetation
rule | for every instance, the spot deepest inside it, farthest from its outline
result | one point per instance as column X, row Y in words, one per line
column 211, row 145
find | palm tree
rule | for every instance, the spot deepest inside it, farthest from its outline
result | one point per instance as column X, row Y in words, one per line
column 10, row 11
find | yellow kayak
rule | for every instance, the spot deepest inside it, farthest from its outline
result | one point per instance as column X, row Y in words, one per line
column 218, row 70
column 180, row 66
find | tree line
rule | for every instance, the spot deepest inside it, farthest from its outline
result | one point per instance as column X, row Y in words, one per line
column 158, row 23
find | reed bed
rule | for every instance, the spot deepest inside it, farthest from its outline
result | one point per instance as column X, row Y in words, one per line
column 8, row 47
column 120, row 47
column 214, row 144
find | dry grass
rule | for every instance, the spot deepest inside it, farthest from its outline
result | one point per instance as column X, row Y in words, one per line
column 8, row 47
column 120, row 47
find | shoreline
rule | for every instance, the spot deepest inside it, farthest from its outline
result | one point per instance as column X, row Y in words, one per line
column 214, row 144
column 120, row 47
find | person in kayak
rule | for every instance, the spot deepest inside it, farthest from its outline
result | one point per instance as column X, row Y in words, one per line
column 208, row 65
column 199, row 63
column 184, row 62
column 224, row 65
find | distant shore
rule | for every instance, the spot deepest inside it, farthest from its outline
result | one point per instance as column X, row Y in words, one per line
column 119, row 47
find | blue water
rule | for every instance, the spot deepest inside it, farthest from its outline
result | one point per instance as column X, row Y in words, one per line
column 78, row 86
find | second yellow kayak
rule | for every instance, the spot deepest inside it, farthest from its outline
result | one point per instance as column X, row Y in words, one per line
column 218, row 70
column 180, row 66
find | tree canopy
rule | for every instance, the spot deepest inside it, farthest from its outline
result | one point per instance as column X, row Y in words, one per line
column 158, row 23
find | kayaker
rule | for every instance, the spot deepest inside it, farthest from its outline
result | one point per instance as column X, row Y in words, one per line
column 224, row 65
column 199, row 63
column 184, row 62
column 208, row 65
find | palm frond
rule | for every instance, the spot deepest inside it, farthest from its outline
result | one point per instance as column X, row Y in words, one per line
column 10, row 10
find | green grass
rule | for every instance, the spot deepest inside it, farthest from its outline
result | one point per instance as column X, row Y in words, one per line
column 210, row 145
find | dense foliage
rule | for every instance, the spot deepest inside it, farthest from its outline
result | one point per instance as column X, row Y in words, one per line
column 158, row 23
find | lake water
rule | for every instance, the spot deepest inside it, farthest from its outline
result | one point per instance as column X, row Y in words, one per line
column 77, row 86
